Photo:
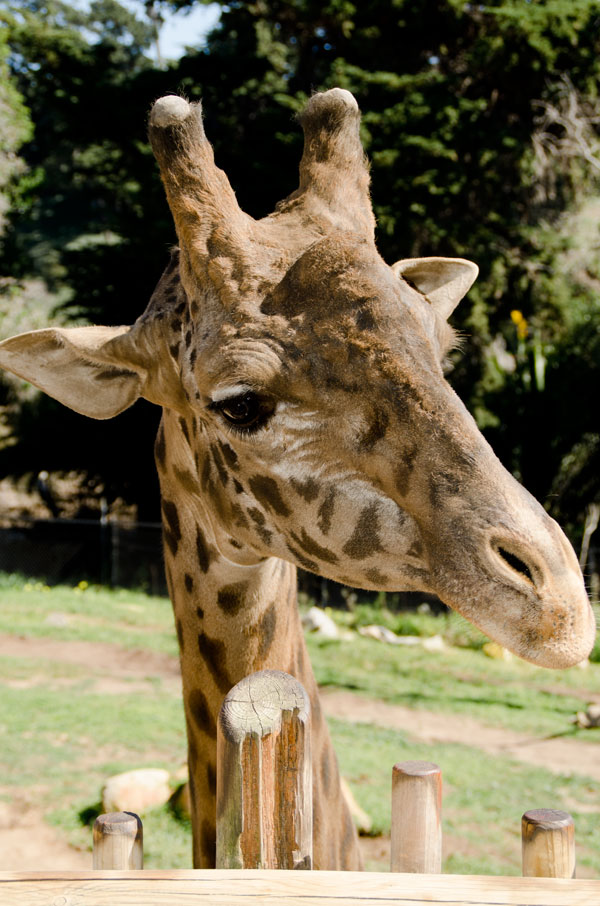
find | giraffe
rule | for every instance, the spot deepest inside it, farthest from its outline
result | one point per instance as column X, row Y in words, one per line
column 306, row 421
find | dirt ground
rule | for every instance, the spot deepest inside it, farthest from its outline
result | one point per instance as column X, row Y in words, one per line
column 28, row 843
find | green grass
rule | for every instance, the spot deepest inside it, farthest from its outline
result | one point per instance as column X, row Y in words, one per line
column 86, row 613
column 512, row 694
column 62, row 737
column 484, row 797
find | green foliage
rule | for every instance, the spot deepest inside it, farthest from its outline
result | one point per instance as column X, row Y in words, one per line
column 481, row 126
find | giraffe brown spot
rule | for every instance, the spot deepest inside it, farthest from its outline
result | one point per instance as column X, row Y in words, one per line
column 214, row 654
column 365, row 319
column 365, row 539
column 267, row 492
column 108, row 375
column 378, row 425
column 188, row 338
column 266, row 632
column 229, row 455
column 211, row 778
column 188, row 582
column 311, row 547
column 202, row 550
column 160, row 448
column 302, row 560
column 231, row 598
column 259, row 520
column 171, row 528
column 181, row 307
column 184, row 427
column 201, row 714
column 238, row 515
column 416, row 549
column 192, row 752
column 239, row 489
column 208, row 841
column 187, row 480
column 180, row 636
column 174, row 350
column 377, row 578
column 200, row 613
column 404, row 470
column 325, row 513
column 205, row 476
column 175, row 325
column 220, row 465
column 235, row 543
column 441, row 486
column 308, row 489
column 193, row 356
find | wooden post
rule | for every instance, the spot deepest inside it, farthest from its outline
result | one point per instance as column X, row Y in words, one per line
column 416, row 844
column 118, row 842
column 548, row 838
column 264, row 774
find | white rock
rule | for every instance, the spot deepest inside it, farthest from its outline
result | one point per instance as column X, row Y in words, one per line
column 589, row 718
column 434, row 643
column 383, row 634
column 319, row 622
column 136, row 791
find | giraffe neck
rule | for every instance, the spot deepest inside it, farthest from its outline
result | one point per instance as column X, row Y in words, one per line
column 231, row 621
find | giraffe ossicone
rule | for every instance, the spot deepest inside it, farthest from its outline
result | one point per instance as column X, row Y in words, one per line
column 307, row 422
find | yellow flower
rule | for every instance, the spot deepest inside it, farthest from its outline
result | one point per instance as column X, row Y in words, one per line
column 520, row 323
column 82, row 585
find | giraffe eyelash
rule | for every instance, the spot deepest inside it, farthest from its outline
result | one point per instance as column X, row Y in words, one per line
column 245, row 413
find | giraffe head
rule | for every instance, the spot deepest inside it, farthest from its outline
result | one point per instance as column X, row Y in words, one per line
column 304, row 379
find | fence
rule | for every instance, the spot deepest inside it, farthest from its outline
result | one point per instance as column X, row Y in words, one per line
column 130, row 555
column 263, row 837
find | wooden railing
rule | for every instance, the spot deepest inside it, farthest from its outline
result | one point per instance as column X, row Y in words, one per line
column 264, row 786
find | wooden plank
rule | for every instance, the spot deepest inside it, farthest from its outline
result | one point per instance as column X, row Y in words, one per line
column 264, row 774
column 416, row 839
column 118, row 842
column 287, row 888
column 548, row 844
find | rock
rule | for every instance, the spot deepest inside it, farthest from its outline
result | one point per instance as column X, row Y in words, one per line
column 383, row 634
column 589, row 718
column 319, row 622
column 496, row 651
column 434, row 643
column 362, row 821
column 136, row 791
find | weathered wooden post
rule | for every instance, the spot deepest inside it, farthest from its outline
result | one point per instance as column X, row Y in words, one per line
column 264, row 774
column 548, row 842
column 416, row 839
column 118, row 842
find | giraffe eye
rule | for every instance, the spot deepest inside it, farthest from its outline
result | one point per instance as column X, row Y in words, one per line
column 247, row 412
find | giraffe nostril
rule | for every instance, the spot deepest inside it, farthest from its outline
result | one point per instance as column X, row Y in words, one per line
column 516, row 563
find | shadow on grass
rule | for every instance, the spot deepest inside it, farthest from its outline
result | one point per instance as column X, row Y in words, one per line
column 88, row 815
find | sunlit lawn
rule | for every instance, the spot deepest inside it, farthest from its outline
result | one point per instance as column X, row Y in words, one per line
column 62, row 737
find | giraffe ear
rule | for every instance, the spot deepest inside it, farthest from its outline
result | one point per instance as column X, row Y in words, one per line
column 443, row 280
column 78, row 366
